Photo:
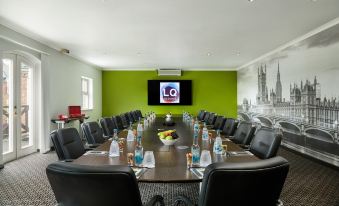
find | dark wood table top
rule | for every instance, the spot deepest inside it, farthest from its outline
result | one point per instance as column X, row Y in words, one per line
column 170, row 162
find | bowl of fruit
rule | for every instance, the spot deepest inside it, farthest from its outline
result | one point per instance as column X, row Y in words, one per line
column 169, row 137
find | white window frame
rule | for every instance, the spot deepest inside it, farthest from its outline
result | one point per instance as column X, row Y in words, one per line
column 89, row 93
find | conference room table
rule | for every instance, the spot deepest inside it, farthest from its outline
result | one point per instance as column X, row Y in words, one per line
column 170, row 161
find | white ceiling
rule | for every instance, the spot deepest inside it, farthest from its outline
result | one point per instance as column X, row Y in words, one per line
column 188, row 34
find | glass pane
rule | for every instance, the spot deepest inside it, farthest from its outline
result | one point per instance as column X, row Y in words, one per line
column 26, row 104
column 7, row 104
column 85, row 101
column 85, row 85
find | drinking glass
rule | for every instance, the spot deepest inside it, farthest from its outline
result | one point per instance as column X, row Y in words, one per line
column 149, row 160
column 205, row 158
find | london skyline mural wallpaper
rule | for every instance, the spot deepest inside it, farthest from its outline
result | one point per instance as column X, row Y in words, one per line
column 298, row 86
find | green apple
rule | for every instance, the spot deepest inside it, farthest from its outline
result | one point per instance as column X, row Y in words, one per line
column 162, row 136
column 169, row 138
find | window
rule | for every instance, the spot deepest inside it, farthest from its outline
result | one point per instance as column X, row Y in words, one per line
column 87, row 93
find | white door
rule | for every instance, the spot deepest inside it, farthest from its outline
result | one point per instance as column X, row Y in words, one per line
column 18, row 107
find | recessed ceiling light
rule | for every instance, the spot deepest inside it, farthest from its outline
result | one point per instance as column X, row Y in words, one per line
column 238, row 53
column 250, row 0
column 208, row 54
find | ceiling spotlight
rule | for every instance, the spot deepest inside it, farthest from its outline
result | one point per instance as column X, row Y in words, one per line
column 250, row 0
column 208, row 54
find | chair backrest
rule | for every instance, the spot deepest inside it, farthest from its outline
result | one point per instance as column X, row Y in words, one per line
column 131, row 117
column 135, row 115
column 244, row 133
column 70, row 143
column 93, row 132
column 85, row 185
column 118, row 122
column 211, row 119
column 107, row 126
column 127, row 117
column 219, row 122
column 56, row 144
column 201, row 115
column 139, row 113
column 265, row 143
column 246, row 183
column 124, row 121
column 230, row 127
column 207, row 115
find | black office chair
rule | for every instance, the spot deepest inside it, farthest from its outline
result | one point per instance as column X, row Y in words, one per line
column 239, row 184
column 93, row 133
column 56, row 144
column 135, row 115
column 107, row 126
column 124, row 121
column 229, row 127
column 244, row 133
column 118, row 123
column 265, row 143
column 85, row 185
column 206, row 116
column 211, row 119
column 201, row 115
column 139, row 113
column 219, row 123
column 67, row 143
column 131, row 117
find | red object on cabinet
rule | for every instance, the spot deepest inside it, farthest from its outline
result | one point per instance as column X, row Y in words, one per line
column 75, row 111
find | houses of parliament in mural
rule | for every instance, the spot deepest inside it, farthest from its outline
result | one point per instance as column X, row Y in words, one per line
column 305, row 102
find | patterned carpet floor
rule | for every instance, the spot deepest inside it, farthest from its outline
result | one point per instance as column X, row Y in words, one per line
column 24, row 182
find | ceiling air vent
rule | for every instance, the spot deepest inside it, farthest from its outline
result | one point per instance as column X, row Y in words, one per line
column 169, row 72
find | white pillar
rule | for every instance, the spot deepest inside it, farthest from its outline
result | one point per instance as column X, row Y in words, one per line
column 1, row 131
column 44, row 143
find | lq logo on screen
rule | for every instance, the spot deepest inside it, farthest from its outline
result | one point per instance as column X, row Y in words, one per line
column 169, row 92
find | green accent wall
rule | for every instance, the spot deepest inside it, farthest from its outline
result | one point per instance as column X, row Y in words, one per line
column 215, row 91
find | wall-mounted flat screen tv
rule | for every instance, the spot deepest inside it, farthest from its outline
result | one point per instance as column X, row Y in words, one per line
column 169, row 92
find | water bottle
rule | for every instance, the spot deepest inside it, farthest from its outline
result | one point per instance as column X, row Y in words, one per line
column 145, row 122
column 114, row 149
column 138, row 155
column 130, row 135
column 139, row 130
column 115, row 134
column 195, row 126
column 205, row 133
column 217, row 147
column 195, row 150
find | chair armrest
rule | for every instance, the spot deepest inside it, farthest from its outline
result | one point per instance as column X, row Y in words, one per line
column 156, row 199
column 246, row 147
column 88, row 149
column 183, row 199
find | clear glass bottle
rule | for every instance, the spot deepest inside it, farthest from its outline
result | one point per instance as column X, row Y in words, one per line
column 205, row 133
column 217, row 147
column 195, row 150
column 138, row 153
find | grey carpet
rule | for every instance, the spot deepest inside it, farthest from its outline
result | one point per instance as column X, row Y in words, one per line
column 24, row 182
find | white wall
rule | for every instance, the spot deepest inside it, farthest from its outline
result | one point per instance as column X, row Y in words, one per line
column 63, row 75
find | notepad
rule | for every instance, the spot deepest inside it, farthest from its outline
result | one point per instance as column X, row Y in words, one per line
column 240, row 153
column 94, row 152
column 199, row 172
column 138, row 171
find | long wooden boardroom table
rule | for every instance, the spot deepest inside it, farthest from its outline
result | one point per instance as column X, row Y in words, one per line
column 170, row 161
